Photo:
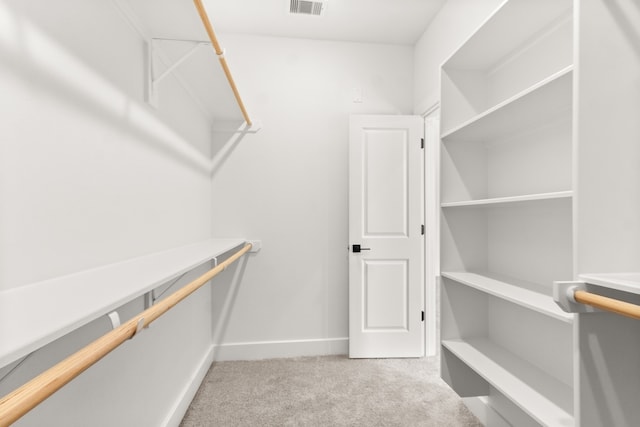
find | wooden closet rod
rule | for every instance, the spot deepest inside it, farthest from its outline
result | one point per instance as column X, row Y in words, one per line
column 608, row 304
column 25, row 398
column 220, row 53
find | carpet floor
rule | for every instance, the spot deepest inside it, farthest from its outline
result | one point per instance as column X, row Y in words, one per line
column 326, row 391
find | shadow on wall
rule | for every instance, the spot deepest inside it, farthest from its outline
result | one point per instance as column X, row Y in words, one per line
column 609, row 378
column 627, row 19
column 227, row 135
column 41, row 62
column 224, row 295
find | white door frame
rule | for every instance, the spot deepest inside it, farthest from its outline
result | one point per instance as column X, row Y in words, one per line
column 432, row 225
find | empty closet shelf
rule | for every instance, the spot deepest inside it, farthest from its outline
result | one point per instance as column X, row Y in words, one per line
column 532, row 107
column 510, row 199
column 541, row 396
column 526, row 294
column 37, row 314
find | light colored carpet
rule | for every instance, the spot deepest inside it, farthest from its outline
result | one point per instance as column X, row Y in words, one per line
column 326, row 391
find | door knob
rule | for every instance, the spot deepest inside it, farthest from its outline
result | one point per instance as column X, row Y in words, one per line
column 358, row 248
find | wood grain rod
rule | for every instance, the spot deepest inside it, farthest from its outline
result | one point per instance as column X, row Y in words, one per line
column 28, row 396
column 608, row 304
column 216, row 46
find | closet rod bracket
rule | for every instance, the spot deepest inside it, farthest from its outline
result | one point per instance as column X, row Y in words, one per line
column 563, row 295
column 114, row 317
column 256, row 245
column 139, row 327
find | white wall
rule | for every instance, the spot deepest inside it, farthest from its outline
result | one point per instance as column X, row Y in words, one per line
column 287, row 185
column 89, row 175
column 455, row 22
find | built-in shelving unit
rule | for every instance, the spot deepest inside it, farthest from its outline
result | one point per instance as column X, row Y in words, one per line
column 85, row 296
column 506, row 213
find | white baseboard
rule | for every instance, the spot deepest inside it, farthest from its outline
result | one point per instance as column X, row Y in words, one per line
column 279, row 349
column 179, row 409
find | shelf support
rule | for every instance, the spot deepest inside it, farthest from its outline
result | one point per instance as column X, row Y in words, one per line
column 149, row 298
column 177, row 63
column 153, row 79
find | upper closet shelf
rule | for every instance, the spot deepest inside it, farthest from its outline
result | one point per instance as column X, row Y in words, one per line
column 182, row 44
column 513, row 24
column 535, row 106
column 42, row 312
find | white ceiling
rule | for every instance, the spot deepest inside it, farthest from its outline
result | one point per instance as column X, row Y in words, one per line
column 379, row 21
column 375, row 21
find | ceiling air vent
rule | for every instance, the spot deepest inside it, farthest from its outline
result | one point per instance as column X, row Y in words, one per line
column 303, row 7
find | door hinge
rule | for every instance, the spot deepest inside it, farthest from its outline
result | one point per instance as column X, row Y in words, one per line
column 423, row 315
column 422, row 229
column 421, row 142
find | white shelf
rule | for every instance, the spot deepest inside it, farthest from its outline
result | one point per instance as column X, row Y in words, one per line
column 542, row 397
column 170, row 41
column 525, row 294
column 512, row 25
column 37, row 314
column 626, row 282
column 509, row 200
column 541, row 103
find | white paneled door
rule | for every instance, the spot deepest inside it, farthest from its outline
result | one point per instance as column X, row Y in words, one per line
column 386, row 237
